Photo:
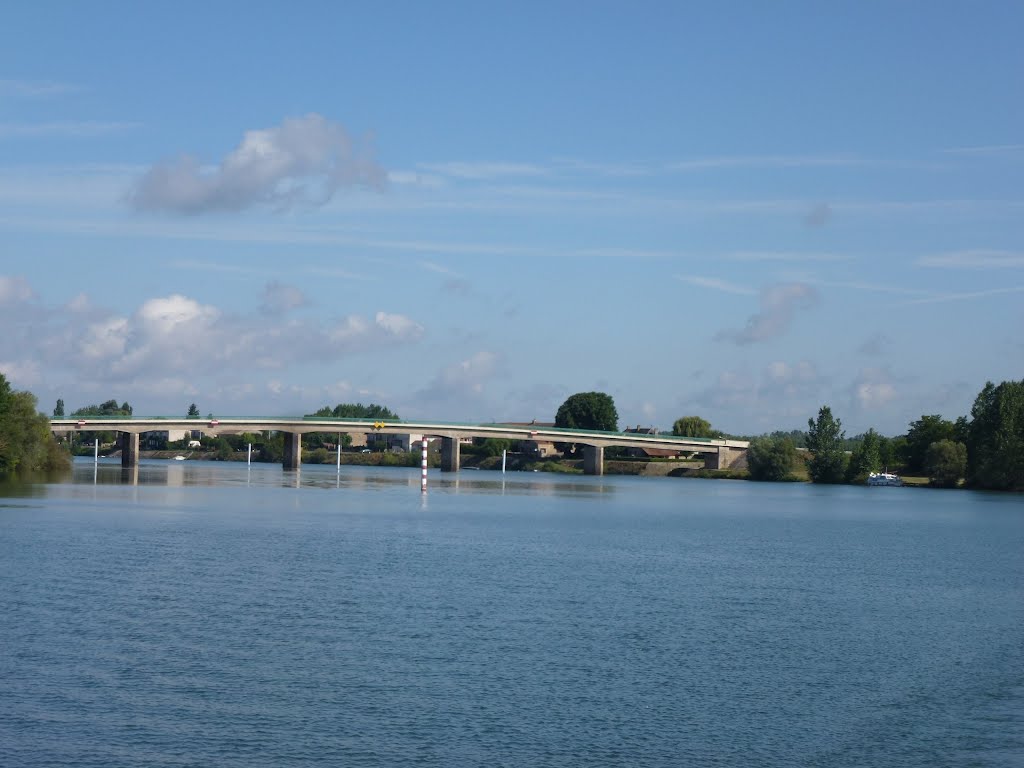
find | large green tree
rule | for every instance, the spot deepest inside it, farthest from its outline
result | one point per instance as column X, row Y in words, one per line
column 692, row 426
column 193, row 412
column 922, row 433
column 770, row 458
column 26, row 443
column 58, row 410
column 995, row 447
column 946, row 463
column 825, row 443
column 588, row 410
column 866, row 457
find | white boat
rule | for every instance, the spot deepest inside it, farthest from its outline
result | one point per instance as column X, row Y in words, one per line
column 179, row 458
column 884, row 478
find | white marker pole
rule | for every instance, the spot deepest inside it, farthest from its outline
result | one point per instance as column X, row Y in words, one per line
column 423, row 467
column 339, row 451
column 96, row 452
column 503, row 461
column 248, row 456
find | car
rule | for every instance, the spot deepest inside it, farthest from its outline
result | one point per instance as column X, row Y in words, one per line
column 365, row 450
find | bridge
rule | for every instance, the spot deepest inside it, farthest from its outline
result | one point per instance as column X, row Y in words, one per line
column 718, row 454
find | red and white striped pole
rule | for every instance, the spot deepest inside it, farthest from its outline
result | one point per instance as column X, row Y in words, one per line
column 423, row 467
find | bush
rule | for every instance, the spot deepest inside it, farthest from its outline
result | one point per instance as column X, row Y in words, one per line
column 770, row 458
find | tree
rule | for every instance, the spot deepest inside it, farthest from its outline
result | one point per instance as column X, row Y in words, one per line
column 108, row 408
column 58, row 410
column 770, row 458
column 824, row 441
column 588, row 410
column 866, row 458
column 692, row 426
column 356, row 411
column 193, row 412
column 946, row 463
column 26, row 443
column 995, row 447
column 922, row 433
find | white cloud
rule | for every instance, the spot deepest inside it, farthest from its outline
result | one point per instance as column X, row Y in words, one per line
column 462, row 381
column 21, row 374
column 173, row 342
column 14, row 290
column 778, row 303
column 305, row 160
column 399, row 326
column 977, row 258
column 716, row 284
column 872, row 389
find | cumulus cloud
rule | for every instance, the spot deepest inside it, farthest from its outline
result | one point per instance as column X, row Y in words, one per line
column 303, row 161
column 169, row 341
column 780, row 393
column 279, row 298
column 465, row 380
column 872, row 389
column 778, row 304
column 14, row 290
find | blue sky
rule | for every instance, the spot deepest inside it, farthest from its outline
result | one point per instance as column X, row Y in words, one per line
column 470, row 211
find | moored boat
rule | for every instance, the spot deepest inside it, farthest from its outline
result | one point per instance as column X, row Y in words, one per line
column 884, row 478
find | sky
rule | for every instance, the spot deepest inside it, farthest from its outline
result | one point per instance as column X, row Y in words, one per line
column 470, row 211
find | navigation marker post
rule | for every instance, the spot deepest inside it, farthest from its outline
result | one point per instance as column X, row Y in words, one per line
column 503, row 453
column 248, row 457
column 96, row 452
column 423, row 466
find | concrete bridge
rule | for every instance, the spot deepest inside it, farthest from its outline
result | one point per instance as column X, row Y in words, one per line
column 718, row 454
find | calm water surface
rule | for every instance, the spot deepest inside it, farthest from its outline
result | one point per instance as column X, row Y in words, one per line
column 202, row 614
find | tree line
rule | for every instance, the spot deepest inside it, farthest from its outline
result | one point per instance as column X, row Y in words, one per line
column 984, row 451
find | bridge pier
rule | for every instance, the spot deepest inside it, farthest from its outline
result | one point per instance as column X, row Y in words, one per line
column 449, row 454
column 726, row 458
column 129, row 442
column 292, row 450
column 593, row 460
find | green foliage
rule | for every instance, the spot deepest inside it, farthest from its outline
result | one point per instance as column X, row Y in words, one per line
column 825, row 442
column 493, row 446
column 588, row 410
column 922, row 433
column 770, row 458
column 109, row 408
column 26, row 444
column 58, row 410
column 692, row 426
column 193, row 412
column 356, row 411
column 866, row 458
column 946, row 463
column 995, row 447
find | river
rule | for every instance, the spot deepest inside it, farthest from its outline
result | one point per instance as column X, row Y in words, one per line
column 207, row 614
